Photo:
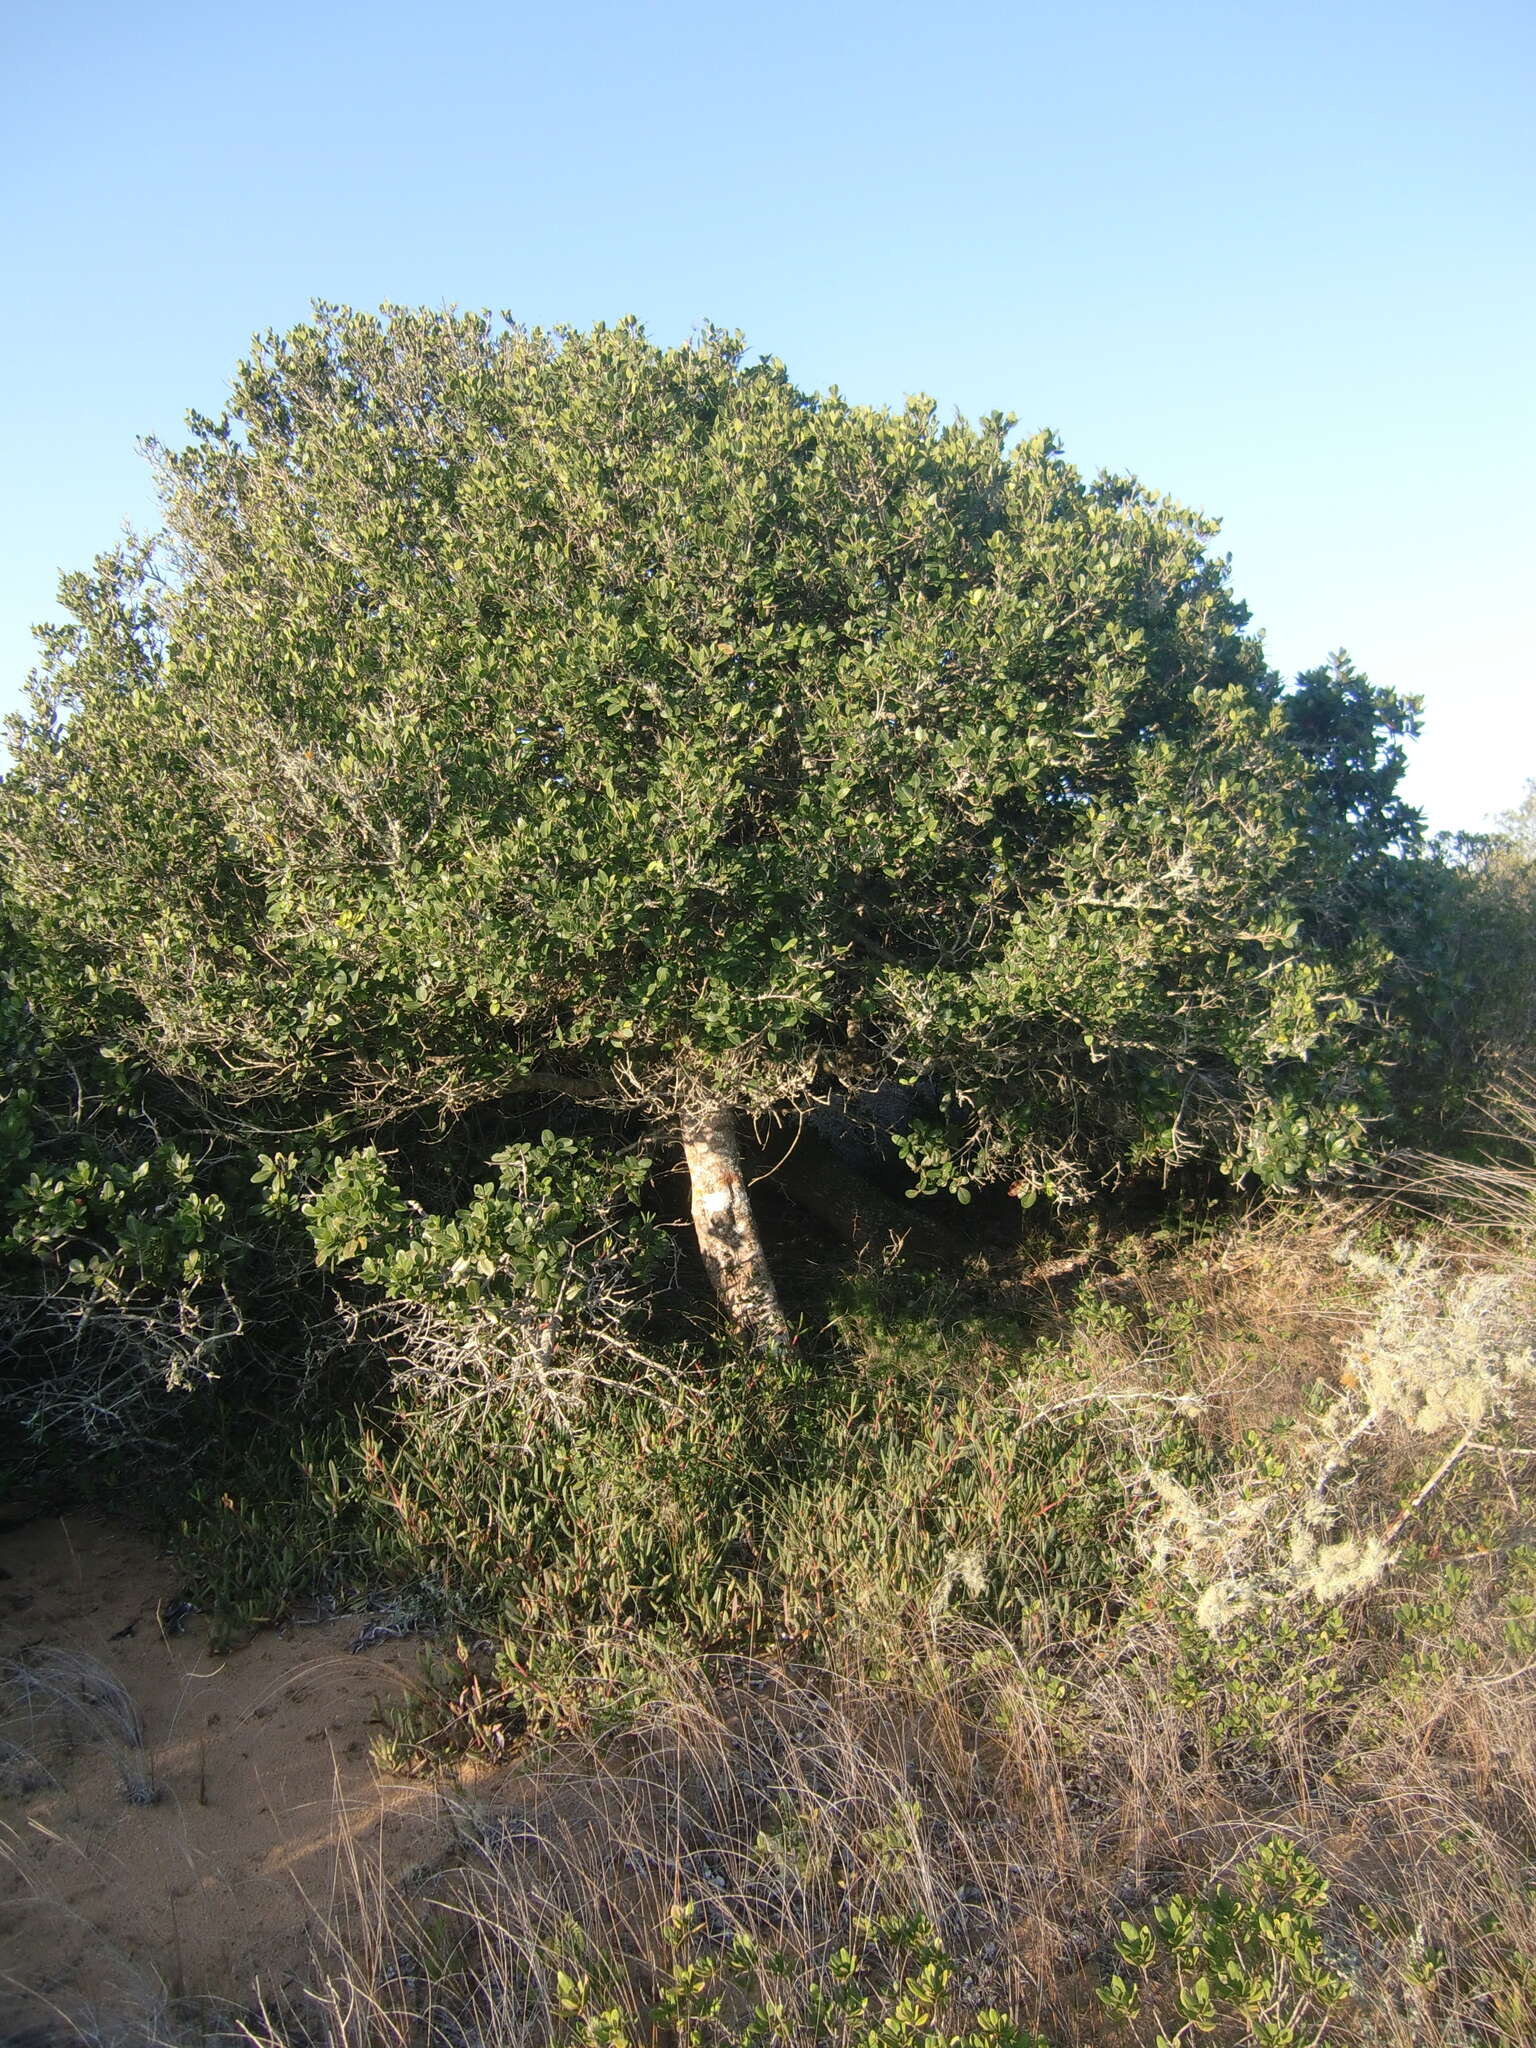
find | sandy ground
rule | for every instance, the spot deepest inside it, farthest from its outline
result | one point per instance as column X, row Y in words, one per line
column 222, row 1889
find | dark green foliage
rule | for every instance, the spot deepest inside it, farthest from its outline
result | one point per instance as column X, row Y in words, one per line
column 1461, row 989
column 145, row 1255
column 509, row 709
column 127, row 1267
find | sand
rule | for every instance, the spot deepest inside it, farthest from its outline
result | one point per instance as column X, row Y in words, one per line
column 222, row 1890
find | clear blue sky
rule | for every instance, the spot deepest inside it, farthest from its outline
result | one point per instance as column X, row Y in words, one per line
column 1276, row 259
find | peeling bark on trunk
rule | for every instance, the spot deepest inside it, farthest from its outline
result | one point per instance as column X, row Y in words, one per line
column 727, row 1230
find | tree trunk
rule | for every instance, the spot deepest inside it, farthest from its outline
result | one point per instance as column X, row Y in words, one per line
column 727, row 1230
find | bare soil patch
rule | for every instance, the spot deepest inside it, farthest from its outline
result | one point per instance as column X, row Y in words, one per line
column 220, row 1890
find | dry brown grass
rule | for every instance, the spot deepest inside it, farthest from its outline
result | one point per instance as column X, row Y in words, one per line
column 1265, row 1309
column 797, row 1806
column 78, row 1691
column 1488, row 1201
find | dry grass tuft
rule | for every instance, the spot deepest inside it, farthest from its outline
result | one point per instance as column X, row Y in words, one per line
column 1022, row 1806
column 1492, row 1197
column 82, row 1694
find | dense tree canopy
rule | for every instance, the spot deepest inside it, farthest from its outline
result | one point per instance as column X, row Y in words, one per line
column 507, row 711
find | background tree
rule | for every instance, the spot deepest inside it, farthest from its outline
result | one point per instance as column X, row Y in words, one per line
column 507, row 712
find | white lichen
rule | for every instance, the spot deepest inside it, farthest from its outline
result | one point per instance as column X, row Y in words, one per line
column 1225, row 1601
column 1327, row 1572
column 964, row 1570
column 1445, row 1350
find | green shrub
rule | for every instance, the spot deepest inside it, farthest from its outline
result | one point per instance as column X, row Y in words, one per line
column 1245, row 1964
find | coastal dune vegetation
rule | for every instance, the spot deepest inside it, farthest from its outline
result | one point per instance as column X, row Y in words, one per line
column 734, row 1056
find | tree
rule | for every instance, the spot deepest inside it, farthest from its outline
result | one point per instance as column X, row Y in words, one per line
column 507, row 712
column 1519, row 825
column 1502, row 915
